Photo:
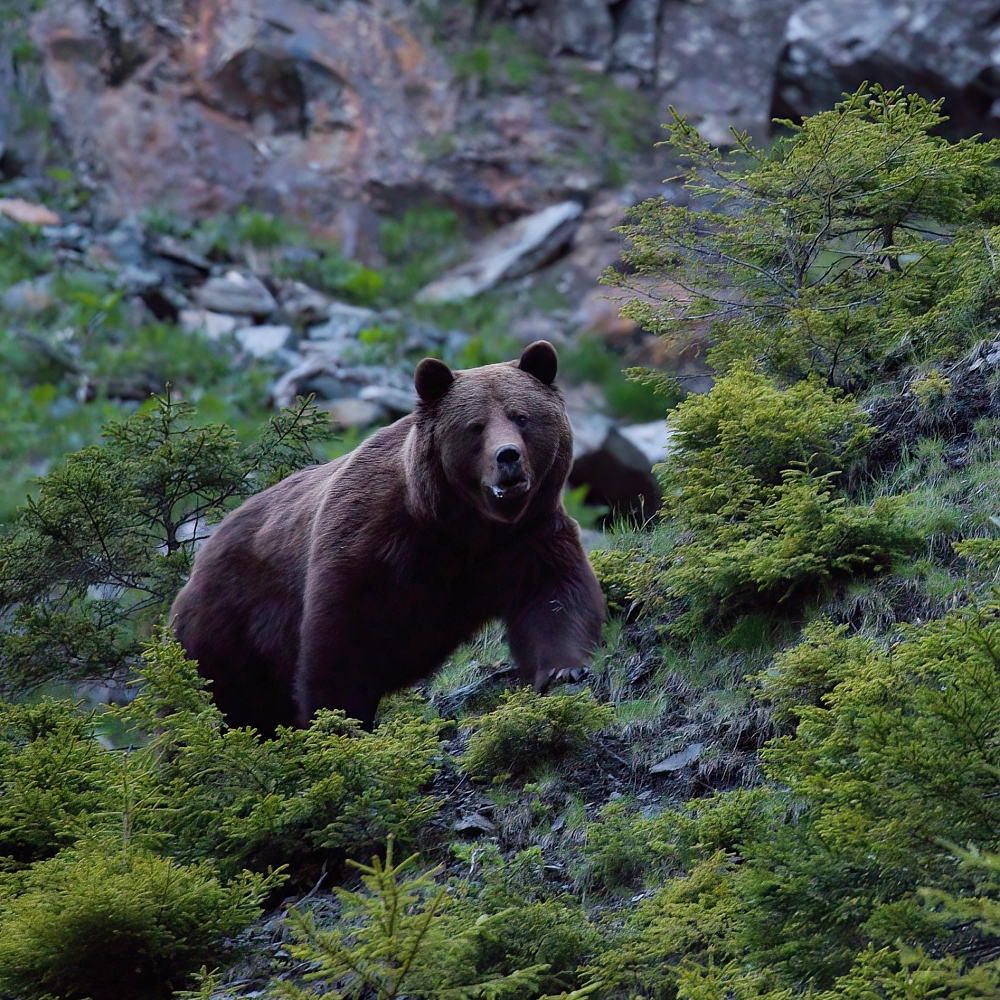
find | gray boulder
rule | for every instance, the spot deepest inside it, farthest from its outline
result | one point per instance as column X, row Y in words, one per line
column 947, row 48
column 717, row 62
column 512, row 252
column 616, row 471
column 237, row 292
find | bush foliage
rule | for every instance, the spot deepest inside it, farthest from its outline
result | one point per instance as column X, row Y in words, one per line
column 752, row 483
column 154, row 857
column 114, row 922
column 526, row 732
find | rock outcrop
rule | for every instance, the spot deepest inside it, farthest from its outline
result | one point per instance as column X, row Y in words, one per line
column 200, row 107
column 717, row 62
column 947, row 48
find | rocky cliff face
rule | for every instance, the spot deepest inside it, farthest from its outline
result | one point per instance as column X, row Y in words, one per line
column 330, row 110
column 202, row 106
column 948, row 48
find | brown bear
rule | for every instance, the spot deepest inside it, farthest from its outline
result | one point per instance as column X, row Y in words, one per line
column 349, row 580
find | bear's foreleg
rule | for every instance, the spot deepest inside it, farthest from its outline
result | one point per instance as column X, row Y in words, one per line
column 556, row 631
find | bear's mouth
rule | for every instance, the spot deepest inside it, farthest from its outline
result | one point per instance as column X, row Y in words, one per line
column 509, row 491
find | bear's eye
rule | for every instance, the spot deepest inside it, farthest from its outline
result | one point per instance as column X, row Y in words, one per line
column 476, row 428
column 521, row 420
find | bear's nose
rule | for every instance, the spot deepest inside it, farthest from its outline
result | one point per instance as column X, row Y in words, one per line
column 508, row 455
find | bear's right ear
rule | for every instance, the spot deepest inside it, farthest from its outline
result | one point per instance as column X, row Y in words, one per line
column 539, row 359
column 432, row 379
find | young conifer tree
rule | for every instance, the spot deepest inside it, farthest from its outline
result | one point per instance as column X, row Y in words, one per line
column 93, row 561
column 832, row 252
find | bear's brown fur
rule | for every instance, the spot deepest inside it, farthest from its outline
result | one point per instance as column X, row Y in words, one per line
column 352, row 579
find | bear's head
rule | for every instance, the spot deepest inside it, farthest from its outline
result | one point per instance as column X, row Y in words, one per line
column 500, row 432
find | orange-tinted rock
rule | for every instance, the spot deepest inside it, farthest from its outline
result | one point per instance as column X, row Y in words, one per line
column 265, row 101
column 27, row 212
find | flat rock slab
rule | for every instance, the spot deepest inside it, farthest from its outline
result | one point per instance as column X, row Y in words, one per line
column 511, row 252
column 678, row 761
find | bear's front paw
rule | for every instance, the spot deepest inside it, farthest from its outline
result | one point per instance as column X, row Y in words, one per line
column 569, row 675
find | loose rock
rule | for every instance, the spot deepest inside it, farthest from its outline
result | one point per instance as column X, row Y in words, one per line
column 28, row 213
column 30, row 296
column 302, row 304
column 239, row 292
column 178, row 250
column 343, row 322
column 214, row 325
column 397, row 402
column 353, row 412
column 511, row 252
column 264, row 341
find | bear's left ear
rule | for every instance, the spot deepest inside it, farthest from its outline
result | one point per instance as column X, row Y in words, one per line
column 539, row 359
column 432, row 379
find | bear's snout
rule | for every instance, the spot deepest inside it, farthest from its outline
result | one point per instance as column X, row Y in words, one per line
column 508, row 458
column 509, row 480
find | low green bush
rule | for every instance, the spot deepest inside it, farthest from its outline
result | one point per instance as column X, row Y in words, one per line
column 122, row 871
column 527, row 731
column 750, row 496
column 750, row 430
column 53, row 777
column 204, row 791
column 617, row 853
column 842, row 872
column 305, row 797
column 780, row 551
column 113, row 922
column 690, row 918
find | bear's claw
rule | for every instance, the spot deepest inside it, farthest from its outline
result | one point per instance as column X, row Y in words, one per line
column 569, row 675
